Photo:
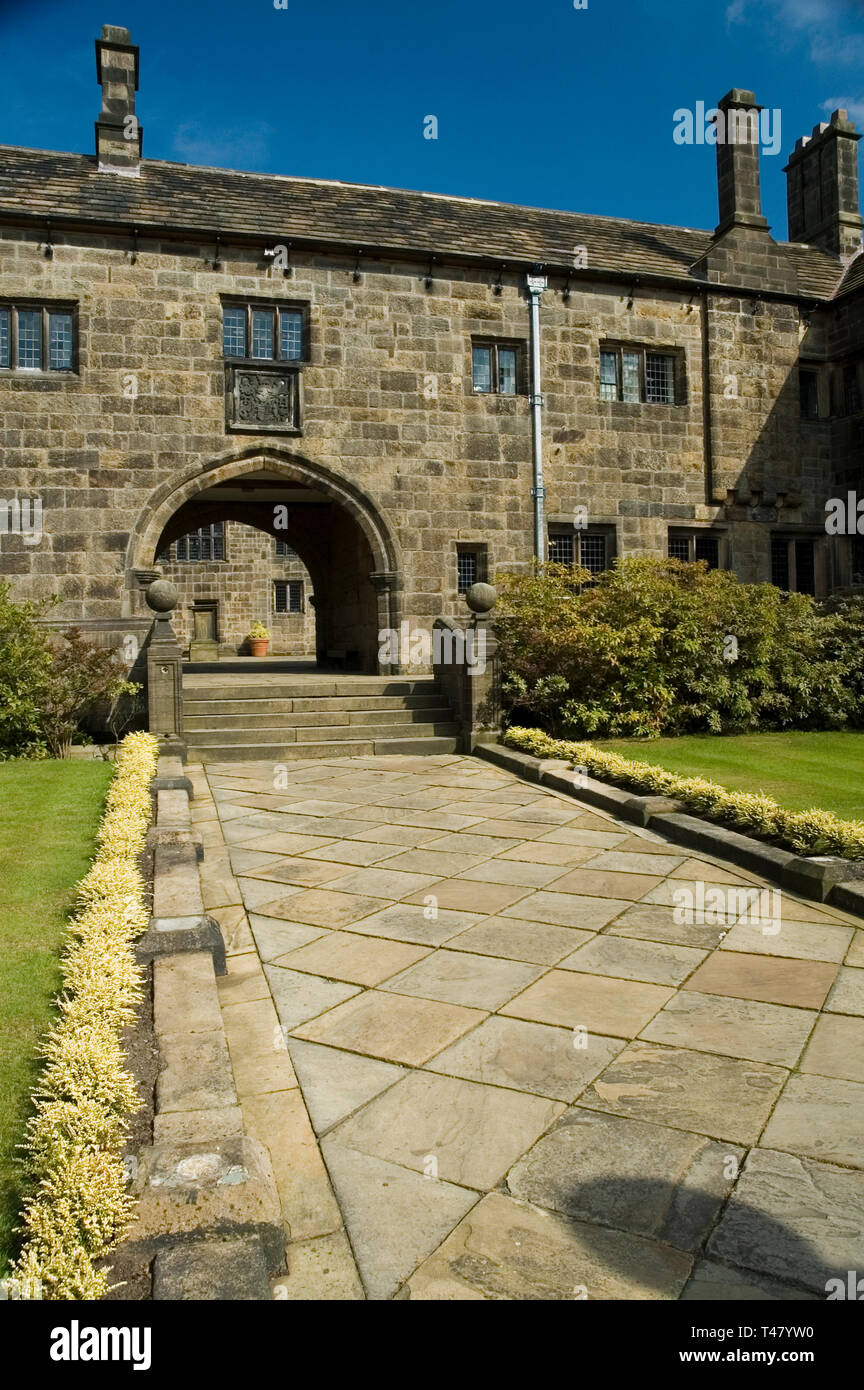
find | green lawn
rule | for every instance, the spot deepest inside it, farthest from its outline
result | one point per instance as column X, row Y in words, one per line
column 49, row 812
column 799, row 770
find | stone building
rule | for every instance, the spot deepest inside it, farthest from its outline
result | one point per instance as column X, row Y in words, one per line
column 191, row 353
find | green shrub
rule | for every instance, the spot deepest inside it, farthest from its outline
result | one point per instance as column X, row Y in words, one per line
column 665, row 647
column 48, row 685
column 806, row 832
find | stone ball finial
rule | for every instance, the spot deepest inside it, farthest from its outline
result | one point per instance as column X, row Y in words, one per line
column 481, row 598
column 161, row 596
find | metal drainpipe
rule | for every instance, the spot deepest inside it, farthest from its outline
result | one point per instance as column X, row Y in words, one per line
column 536, row 285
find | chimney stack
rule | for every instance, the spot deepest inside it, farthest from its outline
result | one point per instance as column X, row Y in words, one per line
column 822, row 187
column 118, row 134
column 738, row 162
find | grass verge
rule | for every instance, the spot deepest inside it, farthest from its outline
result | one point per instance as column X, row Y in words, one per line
column 47, row 836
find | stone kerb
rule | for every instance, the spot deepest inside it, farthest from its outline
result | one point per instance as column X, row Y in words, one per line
column 208, row 1212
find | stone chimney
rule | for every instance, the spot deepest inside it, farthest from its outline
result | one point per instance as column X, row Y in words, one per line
column 118, row 134
column 738, row 162
column 822, row 187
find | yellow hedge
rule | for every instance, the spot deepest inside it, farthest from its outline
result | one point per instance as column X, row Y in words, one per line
column 806, row 832
column 79, row 1208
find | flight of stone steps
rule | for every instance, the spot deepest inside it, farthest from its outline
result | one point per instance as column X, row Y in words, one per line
column 238, row 714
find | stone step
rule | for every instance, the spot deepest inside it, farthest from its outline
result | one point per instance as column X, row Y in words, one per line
column 281, row 752
column 198, row 703
column 254, row 687
column 336, row 733
column 317, row 719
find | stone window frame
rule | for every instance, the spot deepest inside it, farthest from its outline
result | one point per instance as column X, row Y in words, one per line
column 694, row 533
column 643, row 349
column 251, row 302
column 568, row 528
column 495, row 344
column 480, row 551
column 288, row 612
column 45, row 307
column 790, row 538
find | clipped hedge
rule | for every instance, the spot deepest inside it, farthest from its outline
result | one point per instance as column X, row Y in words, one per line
column 806, row 832
column 78, row 1206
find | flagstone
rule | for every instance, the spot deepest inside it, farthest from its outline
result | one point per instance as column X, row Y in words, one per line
column 539, row 852
column 464, row 896
column 792, row 1219
column 304, row 872
column 714, row 1282
column 618, row 1008
column 504, row 1249
column 359, row 852
column 323, row 907
column 847, row 995
column 362, row 960
column 335, row 1083
column 651, row 922
column 457, row 977
column 527, row 1057
column 635, row 1176
column 382, row 883
column 820, row 1116
column 299, row 997
column 396, row 1027
column 736, row 1027
column 515, row 939
column 511, row 871
column 468, row 1133
column 604, row 884
column 836, row 1048
column 428, row 925
column 643, row 861
column 723, row 1097
column 273, row 937
column 795, row 940
column 395, row 1218
column 626, row 959
column 769, row 978
column 566, row 909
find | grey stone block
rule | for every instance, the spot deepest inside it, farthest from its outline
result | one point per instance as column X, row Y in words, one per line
column 165, row 935
column 218, row 1268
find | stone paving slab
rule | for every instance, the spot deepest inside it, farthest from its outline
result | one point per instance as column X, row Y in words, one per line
column 515, row 1075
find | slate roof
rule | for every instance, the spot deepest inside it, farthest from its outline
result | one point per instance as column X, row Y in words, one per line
column 69, row 187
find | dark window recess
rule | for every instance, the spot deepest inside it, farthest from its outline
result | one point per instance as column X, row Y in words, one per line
column 285, row 552
column 259, row 333
column 695, row 545
column 471, row 566
column 588, row 549
column 808, row 388
column 561, row 549
column 851, row 389
column 36, row 338
column 793, row 564
column 496, row 368
column 637, row 374
column 857, row 559
column 805, row 574
column 780, row 562
column 207, row 543
column 288, row 596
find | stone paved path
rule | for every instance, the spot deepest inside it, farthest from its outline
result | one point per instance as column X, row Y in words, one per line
column 519, row 1078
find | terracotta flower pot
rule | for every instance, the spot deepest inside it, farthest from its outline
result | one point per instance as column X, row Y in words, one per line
column 258, row 645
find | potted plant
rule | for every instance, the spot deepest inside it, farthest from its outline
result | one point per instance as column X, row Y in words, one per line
column 259, row 639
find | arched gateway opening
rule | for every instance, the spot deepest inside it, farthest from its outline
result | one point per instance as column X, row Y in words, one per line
column 314, row 525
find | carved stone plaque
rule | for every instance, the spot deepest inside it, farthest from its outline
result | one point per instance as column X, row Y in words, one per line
column 259, row 400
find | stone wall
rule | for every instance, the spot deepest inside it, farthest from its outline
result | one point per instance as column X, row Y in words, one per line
column 388, row 407
column 242, row 586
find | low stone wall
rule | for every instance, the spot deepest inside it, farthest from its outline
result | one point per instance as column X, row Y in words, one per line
column 208, row 1207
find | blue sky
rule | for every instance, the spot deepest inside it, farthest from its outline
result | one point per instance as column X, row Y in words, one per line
column 538, row 103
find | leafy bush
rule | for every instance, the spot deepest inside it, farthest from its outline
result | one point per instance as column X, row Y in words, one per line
column 806, row 832
column 24, row 664
column 47, row 686
column 79, row 1207
column 666, row 647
